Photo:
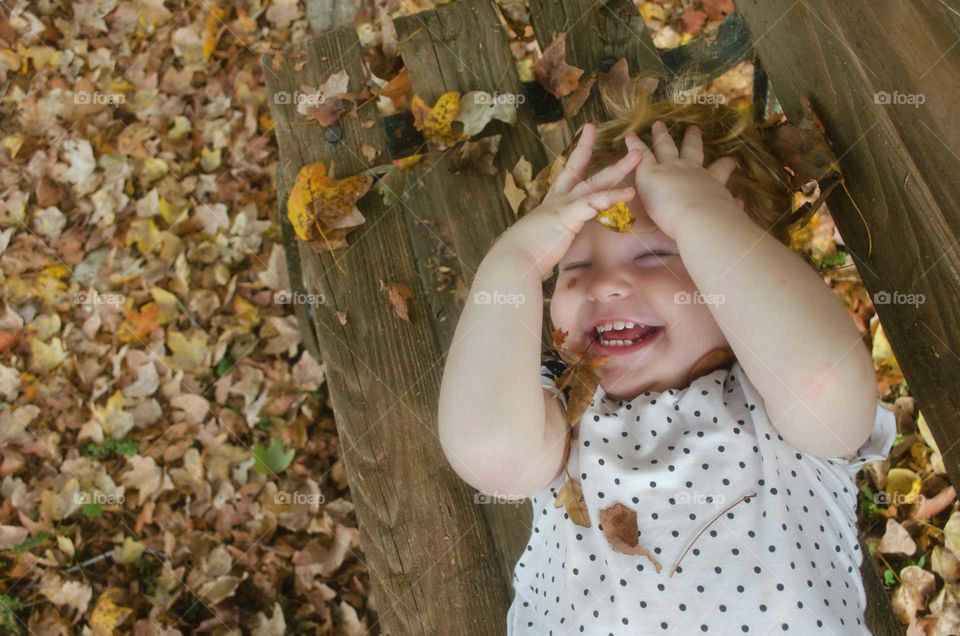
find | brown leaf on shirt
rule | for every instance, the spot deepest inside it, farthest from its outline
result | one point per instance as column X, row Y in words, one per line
column 570, row 498
column 620, row 527
column 580, row 375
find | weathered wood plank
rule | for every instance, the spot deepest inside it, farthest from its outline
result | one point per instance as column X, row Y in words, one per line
column 900, row 162
column 596, row 31
column 425, row 550
column 462, row 47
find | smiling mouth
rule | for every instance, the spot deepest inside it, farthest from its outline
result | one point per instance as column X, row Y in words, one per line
column 626, row 338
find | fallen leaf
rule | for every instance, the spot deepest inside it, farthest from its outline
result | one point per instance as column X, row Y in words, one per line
column 570, row 498
column 552, row 71
column 896, row 540
column 398, row 294
column 620, row 528
column 319, row 204
column 437, row 122
column 617, row 217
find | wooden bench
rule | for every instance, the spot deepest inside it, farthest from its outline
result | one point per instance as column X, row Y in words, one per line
column 439, row 563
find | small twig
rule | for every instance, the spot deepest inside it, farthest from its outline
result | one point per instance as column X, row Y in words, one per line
column 717, row 516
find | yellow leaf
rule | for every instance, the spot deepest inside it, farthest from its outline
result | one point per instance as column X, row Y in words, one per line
column 247, row 313
column 144, row 233
column 210, row 160
column 188, row 354
column 129, row 552
column 47, row 357
column 154, row 168
column 13, row 143
column 570, row 498
column 651, row 11
column 168, row 308
column 211, row 30
column 108, row 614
column 319, row 203
column 618, row 217
column 883, row 357
column 406, row 163
column 437, row 122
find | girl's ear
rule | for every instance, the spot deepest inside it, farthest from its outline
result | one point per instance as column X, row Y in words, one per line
column 740, row 203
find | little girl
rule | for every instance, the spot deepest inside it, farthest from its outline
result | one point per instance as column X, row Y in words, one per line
column 709, row 485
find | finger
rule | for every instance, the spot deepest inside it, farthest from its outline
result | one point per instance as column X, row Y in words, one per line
column 634, row 142
column 588, row 206
column 572, row 172
column 663, row 146
column 609, row 176
column 722, row 168
column 692, row 148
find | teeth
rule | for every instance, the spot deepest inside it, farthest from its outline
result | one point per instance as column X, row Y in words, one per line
column 610, row 326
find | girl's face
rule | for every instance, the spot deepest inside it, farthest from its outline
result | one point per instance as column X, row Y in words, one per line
column 638, row 277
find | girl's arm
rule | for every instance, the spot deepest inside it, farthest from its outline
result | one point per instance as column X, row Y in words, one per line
column 790, row 333
column 501, row 431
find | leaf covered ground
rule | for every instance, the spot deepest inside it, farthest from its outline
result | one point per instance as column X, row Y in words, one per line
column 170, row 462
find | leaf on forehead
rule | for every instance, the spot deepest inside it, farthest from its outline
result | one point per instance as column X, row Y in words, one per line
column 617, row 217
column 552, row 71
column 437, row 122
column 319, row 204
column 579, row 376
column 620, row 528
column 570, row 498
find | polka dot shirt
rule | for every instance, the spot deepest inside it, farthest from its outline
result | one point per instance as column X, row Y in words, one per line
column 742, row 532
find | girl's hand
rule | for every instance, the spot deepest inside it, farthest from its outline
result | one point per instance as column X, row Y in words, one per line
column 546, row 232
column 671, row 183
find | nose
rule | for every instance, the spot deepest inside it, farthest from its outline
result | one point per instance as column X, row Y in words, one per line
column 606, row 283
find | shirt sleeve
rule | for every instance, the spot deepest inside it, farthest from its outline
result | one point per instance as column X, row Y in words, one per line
column 550, row 370
column 880, row 443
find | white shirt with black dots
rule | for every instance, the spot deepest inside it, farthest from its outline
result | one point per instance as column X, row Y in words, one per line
column 688, row 462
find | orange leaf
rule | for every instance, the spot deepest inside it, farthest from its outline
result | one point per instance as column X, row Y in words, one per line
column 138, row 325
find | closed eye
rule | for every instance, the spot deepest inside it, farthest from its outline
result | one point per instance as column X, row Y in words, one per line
column 654, row 254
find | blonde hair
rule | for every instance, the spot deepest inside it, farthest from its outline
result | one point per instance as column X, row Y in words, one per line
column 759, row 180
